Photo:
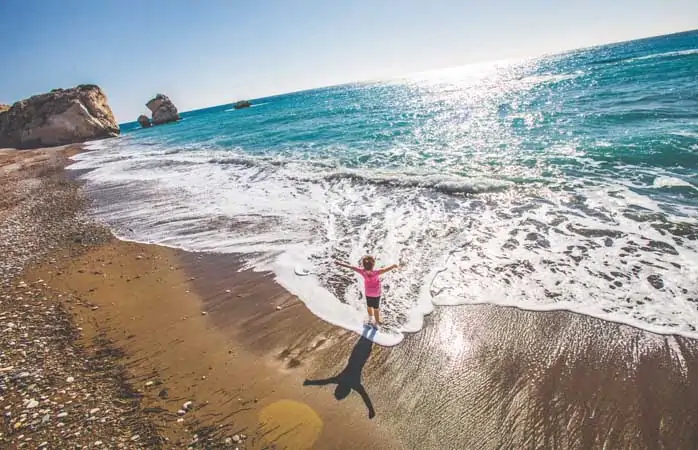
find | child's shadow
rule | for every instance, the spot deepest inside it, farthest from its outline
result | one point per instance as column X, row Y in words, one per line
column 350, row 377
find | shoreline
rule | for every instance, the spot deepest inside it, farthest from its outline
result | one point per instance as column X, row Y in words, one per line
column 239, row 400
column 476, row 376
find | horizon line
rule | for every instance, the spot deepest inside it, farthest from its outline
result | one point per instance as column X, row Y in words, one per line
column 484, row 61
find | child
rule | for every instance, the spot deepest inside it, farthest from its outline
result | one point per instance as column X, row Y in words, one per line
column 372, row 283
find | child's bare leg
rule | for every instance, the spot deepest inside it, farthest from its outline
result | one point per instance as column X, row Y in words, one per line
column 370, row 313
column 376, row 314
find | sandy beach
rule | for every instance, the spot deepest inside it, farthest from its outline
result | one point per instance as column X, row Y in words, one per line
column 260, row 371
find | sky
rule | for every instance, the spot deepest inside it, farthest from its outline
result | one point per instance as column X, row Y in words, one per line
column 205, row 53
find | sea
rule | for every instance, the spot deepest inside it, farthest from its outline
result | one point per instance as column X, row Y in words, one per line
column 562, row 182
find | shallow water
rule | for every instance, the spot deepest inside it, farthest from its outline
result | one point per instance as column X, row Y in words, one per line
column 563, row 182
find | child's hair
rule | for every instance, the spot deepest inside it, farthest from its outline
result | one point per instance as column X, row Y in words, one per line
column 368, row 262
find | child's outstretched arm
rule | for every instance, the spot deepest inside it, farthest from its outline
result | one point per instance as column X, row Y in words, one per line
column 348, row 266
column 388, row 269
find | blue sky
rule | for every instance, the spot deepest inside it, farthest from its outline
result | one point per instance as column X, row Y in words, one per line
column 204, row 53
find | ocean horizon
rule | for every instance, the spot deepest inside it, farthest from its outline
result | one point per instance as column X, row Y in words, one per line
column 561, row 182
column 133, row 124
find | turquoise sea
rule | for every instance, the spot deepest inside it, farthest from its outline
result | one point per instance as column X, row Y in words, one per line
column 566, row 181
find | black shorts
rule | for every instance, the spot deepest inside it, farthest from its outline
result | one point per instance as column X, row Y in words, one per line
column 373, row 302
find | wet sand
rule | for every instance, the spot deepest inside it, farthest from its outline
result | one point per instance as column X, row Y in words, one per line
column 475, row 377
column 485, row 376
column 143, row 299
column 254, row 361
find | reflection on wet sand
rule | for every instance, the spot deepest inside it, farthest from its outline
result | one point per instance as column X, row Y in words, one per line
column 492, row 377
column 476, row 377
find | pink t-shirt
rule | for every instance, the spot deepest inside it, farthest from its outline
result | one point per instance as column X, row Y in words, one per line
column 372, row 282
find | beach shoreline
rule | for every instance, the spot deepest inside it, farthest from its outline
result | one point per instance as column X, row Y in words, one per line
column 241, row 348
column 141, row 301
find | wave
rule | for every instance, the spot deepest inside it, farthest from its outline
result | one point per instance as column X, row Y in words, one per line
column 670, row 182
column 646, row 57
column 667, row 54
column 442, row 183
column 449, row 184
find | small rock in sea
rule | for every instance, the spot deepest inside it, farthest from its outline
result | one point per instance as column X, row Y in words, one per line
column 236, row 439
column 187, row 405
column 32, row 403
column 69, row 379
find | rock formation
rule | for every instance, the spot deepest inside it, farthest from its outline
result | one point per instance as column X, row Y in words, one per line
column 4, row 107
column 163, row 110
column 62, row 116
column 242, row 104
column 144, row 121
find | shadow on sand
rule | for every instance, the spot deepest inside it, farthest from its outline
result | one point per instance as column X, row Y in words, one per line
column 350, row 378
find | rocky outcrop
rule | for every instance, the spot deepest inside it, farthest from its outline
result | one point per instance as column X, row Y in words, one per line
column 62, row 116
column 163, row 110
column 144, row 121
column 242, row 104
column 4, row 107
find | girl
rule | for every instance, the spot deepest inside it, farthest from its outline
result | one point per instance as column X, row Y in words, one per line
column 372, row 283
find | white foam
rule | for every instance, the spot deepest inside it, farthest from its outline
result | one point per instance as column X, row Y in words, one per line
column 535, row 249
column 667, row 182
column 666, row 54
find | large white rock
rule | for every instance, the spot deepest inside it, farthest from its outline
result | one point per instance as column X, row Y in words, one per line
column 62, row 116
